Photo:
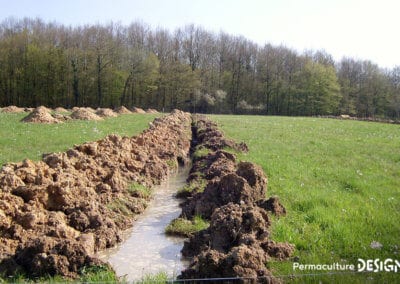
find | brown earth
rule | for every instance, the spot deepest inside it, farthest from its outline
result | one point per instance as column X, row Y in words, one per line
column 122, row 110
column 151, row 110
column 237, row 242
column 84, row 114
column 138, row 110
column 12, row 109
column 41, row 115
column 61, row 109
column 106, row 112
column 55, row 213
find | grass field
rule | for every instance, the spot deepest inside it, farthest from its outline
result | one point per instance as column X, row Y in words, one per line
column 339, row 181
column 27, row 140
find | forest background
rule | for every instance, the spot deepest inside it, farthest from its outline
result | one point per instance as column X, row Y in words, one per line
column 190, row 68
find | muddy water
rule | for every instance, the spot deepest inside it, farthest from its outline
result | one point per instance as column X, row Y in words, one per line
column 146, row 249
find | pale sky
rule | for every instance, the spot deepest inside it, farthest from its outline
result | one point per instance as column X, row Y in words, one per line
column 362, row 29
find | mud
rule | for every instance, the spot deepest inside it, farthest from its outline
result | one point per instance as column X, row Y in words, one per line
column 237, row 242
column 56, row 213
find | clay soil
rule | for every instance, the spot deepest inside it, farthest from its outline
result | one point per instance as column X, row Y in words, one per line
column 56, row 213
column 237, row 242
column 42, row 115
column 138, row 110
column 12, row 109
column 84, row 114
column 122, row 110
column 106, row 112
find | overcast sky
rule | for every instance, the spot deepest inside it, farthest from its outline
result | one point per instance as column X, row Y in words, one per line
column 362, row 29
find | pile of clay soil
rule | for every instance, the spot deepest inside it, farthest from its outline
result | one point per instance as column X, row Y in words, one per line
column 106, row 112
column 61, row 110
column 151, row 110
column 84, row 114
column 41, row 115
column 12, row 109
column 237, row 242
column 56, row 213
column 138, row 110
column 122, row 110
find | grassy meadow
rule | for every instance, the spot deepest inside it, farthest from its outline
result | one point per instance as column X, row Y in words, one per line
column 339, row 181
column 20, row 140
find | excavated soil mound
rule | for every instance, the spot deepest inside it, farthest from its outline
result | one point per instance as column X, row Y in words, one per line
column 84, row 114
column 138, row 110
column 209, row 136
column 151, row 110
column 122, row 110
column 41, row 115
column 61, row 110
column 106, row 112
column 56, row 213
column 237, row 242
column 12, row 109
column 84, row 108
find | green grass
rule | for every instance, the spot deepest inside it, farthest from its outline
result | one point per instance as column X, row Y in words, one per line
column 91, row 274
column 98, row 274
column 201, row 152
column 339, row 181
column 20, row 140
column 139, row 190
column 195, row 186
column 120, row 206
column 186, row 228
column 160, row 277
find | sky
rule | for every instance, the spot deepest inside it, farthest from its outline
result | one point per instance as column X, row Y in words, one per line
column 361, row 29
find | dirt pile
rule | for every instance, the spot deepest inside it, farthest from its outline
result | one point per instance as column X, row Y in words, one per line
column 54, row 214
column 12, row 109
column 61, row 110
column 106, row 112
column 210, row 137
column 151, row 110
column 138, row 110
column 42, row 115
column 237, row 242
column 122, row 110
column 84, row 114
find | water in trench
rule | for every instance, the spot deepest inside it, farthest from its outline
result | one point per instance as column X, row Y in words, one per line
column 146, row 249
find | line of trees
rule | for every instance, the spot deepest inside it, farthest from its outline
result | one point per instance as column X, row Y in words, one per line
column 191, row 69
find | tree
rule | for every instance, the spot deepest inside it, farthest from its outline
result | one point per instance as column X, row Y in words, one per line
column 318, row 90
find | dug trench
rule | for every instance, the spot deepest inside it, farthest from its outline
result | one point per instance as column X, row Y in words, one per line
column 57, row 213
column 231, row 196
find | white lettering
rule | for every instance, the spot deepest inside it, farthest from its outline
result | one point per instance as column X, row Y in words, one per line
column 361, row 265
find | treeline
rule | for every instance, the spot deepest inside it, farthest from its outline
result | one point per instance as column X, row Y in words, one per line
column 191, row 69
